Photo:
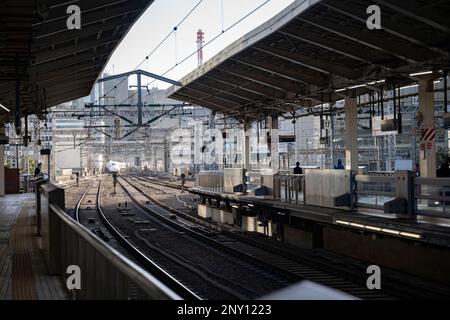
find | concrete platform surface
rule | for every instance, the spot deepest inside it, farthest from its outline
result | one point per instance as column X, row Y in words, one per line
column 23, row 272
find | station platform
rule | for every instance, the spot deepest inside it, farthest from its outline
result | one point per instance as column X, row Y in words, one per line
column 426, row 229
column 23, row 271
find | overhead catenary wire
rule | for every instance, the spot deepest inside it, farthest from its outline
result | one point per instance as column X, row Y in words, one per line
column 157, row 46
column 206, row 44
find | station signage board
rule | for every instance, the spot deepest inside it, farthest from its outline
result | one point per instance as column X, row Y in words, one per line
column 376, row 126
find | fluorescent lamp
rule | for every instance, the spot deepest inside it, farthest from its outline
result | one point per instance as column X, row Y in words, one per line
column 5, row 108
column 390, row 231
column 340, row 90
column 357, row 225
column 358, row 86
column 409, row 87
column 420, row 73
column 372, row 228
column 377, row 229
column 411, row 235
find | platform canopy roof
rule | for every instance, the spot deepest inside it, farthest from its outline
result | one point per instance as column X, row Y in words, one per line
column 55, row 64
column 313, row 49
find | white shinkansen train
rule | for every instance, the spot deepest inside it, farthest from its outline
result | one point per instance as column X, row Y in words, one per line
column 115, row 167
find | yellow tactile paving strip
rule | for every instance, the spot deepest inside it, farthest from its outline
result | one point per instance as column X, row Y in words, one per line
column 20, row 243
column 23, row 274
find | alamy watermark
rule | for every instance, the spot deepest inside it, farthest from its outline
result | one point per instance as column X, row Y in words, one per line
column 374, row 20
column 73, row 281
column 374, row 280
column 74, row 20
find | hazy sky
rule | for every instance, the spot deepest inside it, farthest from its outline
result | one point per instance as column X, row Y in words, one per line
column 163, row 15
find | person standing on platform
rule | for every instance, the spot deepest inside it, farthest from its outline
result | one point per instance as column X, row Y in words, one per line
column 77, row 175
column 114, row 181
column 183, row 180
column 443, row 171
column 38, row 171
column 339, row 165
column 298, row 169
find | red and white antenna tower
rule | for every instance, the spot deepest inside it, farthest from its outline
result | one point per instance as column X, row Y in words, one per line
column 200, row 42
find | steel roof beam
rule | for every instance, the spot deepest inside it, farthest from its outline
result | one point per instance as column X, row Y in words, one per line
column 57, row 26
column 432, row 18
column 240, row 86
column 80, row 84
column 237, row 91
column 68, row 71
column 196, row 101
column 254, row 88
column 49, row 55
column 309, row 62
column 211, row 98
column 65, row 94
column 221, row 89
column 217, row 92
column 71, row 35
column 284, row 85
column 396, row 28
column 88, row 73
column 58, row 12
column 367, row 38
column 68, row 61
column 284, row 73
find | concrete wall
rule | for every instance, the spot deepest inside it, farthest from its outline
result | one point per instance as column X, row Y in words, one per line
column 250, row 224
column 298, row 237
column 215, row 214
column 322, row 186
column 424, row 261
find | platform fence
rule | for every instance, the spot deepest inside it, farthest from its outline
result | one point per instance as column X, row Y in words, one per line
column 210, row 181
column 374, row 191
column 432, row 196
column 289, row 188
column 105, row 273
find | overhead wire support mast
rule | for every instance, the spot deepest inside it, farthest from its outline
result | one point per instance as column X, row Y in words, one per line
column 159, row 45
column 139, row 74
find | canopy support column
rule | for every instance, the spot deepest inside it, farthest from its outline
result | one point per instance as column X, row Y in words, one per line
column 246, row 139
column 351, row 133
column 274, row 142
column 426, row 109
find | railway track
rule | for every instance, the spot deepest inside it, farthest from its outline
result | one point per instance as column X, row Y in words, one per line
column 346, row 274
column 207, row 269
column 289, row 268
column 89, row 213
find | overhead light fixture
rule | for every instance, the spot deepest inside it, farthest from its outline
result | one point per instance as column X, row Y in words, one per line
column 380, row 230
column 357, row 86
column 5, row 108
column 376, row 82
column 361, row 85
column 409, row 87
column 420, row 73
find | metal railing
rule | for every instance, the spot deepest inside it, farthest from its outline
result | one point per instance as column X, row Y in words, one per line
column 374, row 191
column 210, row 181
column 105, row 272
column 432, row 196
column 290, row 188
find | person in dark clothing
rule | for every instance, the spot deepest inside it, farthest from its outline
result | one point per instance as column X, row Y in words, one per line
column 443, row 171
column 77, row 175
column 297, row 169
column 183, row 181
column 38, row 171
column 339, row 165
